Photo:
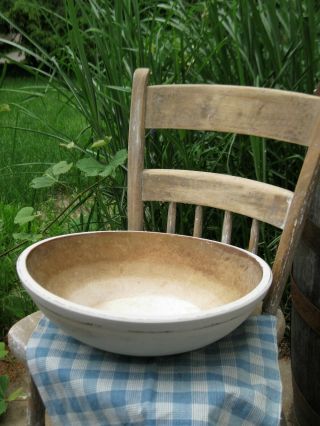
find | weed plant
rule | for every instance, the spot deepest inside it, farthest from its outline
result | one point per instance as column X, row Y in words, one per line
column 33, row 127
column 248, row 42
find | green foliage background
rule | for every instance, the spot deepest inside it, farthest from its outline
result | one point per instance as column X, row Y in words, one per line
column 32, row 18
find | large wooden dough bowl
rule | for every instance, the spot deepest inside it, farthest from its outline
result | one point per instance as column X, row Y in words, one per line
column 141, row 293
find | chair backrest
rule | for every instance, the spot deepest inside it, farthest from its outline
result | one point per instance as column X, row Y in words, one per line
column 274, row 114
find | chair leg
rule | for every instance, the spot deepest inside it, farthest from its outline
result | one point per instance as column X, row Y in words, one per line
column 283, row 421
column 35, row 410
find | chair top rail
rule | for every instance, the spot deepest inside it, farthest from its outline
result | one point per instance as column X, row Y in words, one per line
column 250, row 198
column 269, row 113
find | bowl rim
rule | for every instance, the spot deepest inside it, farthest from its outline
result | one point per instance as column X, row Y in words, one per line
column 38, row 292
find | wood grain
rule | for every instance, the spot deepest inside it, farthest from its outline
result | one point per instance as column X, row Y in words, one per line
column 269, row 113
column 226, row 228
column 295, row 221
column 136, row 149
column 250, row 198
column 254, row 237
column 171, row 221
column 198, row 219
column 35, row 407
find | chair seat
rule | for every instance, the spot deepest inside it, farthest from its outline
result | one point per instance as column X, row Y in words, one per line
column 229, row 381
column 20, row 333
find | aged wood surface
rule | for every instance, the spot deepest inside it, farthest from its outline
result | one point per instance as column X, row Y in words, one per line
column 254, row 237
column 136, row 149
column 171, row 222
column 250, row 198
column 226, row 228
column 18, row 338
column 198, row 219
column 269, row 113
column 20, row 333
column 35, row 408
column 295, row 221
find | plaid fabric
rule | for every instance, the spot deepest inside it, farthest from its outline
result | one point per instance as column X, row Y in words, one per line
column 235, row 381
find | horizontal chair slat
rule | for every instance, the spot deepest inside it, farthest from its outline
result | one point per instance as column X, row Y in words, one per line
column 250, row 198
column 267, row 113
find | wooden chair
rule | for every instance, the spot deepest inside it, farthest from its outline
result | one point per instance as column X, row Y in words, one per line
column 273, row 114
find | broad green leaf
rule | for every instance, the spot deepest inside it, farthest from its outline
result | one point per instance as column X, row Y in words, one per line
column 4, row 108
column 4, row 383
column 90, row 166
column 61, row 168
column 118, row 159
column 51, row 175
column 107, row 171
column 42, row 182
column 25, row 215
column 3, row 406
column 21, row 236
column 15, row 394
column 3, row 352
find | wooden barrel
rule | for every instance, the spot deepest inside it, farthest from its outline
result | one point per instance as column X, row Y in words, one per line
column 305, row 320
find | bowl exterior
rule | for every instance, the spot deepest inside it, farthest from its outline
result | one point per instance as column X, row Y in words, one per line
column 146, row 339
column 142, row 337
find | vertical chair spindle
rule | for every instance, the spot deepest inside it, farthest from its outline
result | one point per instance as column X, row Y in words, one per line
column 254, row 236
column 171, row 221
column 226, row 228
column 197, row 227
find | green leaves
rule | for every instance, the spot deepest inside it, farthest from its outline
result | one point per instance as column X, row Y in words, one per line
column 119, row 159
column 23, row 236
column 3, row 405
column 100, row 143
column 43, row 182
column 4, row 384
column 15, row 305
column 3, row 351
column 61, row 168
column 18, row 393
column 91, row 167
column 25, row 215
column 70, row 145
column 51, row 175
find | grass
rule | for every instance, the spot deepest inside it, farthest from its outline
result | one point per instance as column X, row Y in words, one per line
column 39, row 111
column 14, row 302
column 25, row 154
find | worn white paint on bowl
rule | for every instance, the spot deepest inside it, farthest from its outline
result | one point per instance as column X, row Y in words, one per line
column 143, row 293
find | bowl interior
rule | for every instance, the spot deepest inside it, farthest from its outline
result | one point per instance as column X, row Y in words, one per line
column 141, row 274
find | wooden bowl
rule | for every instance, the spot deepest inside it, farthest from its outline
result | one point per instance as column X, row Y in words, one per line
column 143, row 293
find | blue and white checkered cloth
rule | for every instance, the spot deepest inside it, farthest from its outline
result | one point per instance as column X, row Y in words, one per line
column 235, row 381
